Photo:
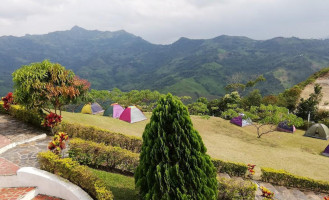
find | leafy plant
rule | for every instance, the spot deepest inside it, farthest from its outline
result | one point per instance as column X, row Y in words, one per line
column 58, row 143
column 8, row 100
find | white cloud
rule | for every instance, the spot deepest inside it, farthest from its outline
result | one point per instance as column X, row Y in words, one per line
column 167, row 20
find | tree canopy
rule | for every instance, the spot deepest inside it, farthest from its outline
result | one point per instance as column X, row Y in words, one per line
column 47, row 85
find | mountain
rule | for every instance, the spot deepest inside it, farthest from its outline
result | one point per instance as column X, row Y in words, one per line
column 192, row 67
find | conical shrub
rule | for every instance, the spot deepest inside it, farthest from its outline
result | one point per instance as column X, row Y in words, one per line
column 173, row 161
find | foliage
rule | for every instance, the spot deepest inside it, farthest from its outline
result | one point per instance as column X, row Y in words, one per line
column 102, row 156
column 254, row 98
column 236, row 85
column 198, row 108
column 45, row 84
column 75, row 173
column 58, row 143
column 173, row 160
column 271, row 115
column 284, row 178
column 51, row 120
column 231, row 168
column 270, row 99
column 310, row 105
column 101, row 136
column 289, row 98
column 266, row 193
column 251, row 170
column 8, row 100
column 235, row 189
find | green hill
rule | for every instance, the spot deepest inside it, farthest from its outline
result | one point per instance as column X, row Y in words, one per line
column 187, row 67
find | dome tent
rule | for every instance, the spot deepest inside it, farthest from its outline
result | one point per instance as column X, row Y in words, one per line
column 319, row 131
column 94, row 108
column 284, row 127
column 240, row 121
column 114, row 110
column 326, row 151
column 132, row 114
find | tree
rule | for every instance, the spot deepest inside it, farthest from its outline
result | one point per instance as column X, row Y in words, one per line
column 310, row 105
column 270, row 116
column 254, row 98
column 289, row 98
column 173, row 159
column 198, row 108
column 45, row 85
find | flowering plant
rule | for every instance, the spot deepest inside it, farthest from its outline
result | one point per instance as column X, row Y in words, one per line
column 7, row 100
column 326, row 198
column 266, row 192
column 251, row 170
column 58, row 142
column 52, row 119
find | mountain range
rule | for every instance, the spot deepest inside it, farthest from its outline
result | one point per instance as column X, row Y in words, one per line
column 194, row 67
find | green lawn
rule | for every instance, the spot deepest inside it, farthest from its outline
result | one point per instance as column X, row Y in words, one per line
column 122, row 187
column 293, row 152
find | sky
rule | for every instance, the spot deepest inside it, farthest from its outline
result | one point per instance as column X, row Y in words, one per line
column 165, row 21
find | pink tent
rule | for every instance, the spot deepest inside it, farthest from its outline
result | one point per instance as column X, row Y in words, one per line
column 132, row 114
column 117, row 110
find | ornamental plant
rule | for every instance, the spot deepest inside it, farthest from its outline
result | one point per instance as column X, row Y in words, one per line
column 267, row 193
column 251, row 170
column 326, row 198
column 173, row 160
column 52, row 120
column 58, row 143
column 7, row 100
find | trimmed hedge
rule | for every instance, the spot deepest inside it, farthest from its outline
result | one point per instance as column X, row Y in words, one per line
column 76, row 173
column 234, row 189
column 20, row 113
column 231, row 168
column 99, row 155
column 98, row 135
column 282, row 177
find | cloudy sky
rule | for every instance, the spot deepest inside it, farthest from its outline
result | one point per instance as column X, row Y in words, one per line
column 164, row 21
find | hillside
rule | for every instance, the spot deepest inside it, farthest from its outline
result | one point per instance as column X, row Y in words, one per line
column 195, row 67
column 323, row 81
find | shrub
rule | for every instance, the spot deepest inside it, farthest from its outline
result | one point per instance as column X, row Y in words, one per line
column 231, row 168
column 281, row 177
column 101, row 136
column 102, row 156
column 173, row 160
column 77, row 174
column 234, row 189
column 28, row 116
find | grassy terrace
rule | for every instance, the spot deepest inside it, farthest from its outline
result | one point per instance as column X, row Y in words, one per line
column 293, row 152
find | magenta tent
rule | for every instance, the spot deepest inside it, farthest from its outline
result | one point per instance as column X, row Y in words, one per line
column 132, row 114
column 117, row 110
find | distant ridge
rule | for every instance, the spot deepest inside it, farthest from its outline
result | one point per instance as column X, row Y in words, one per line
column 195, row 67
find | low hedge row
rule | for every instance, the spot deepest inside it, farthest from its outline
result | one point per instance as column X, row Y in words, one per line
column 281, row 177
column 28, row 116
column 99, row 155
column 98, row 135
column 231, row 168
column 234, row 189
column 76, row 173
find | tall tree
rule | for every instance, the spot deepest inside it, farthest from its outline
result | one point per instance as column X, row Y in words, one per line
column 47, row 85
column 173, row 160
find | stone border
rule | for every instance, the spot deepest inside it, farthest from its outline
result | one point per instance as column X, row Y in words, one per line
column 46, row 183
column 14, row 144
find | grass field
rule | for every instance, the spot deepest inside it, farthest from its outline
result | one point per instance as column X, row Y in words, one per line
column 292, row 152
column 122, row 187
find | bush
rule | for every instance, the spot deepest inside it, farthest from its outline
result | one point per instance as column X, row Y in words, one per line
column 231, row 168
column 77, row 174
column 101, row 136
column 28, row 116
column 234, row 189
column 281, row 177
column 102, row 156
